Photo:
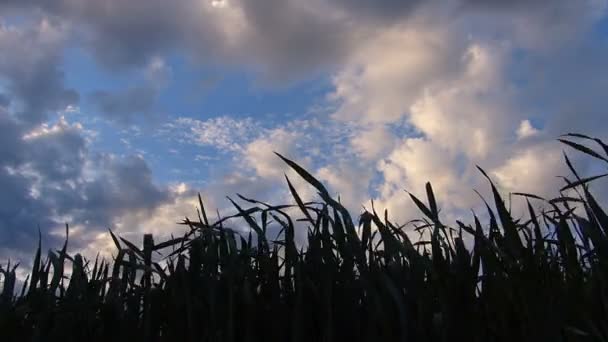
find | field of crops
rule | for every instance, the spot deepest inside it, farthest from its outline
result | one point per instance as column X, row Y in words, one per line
column 541, row 278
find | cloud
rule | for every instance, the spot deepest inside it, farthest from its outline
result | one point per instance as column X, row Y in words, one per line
column 288, row 38
column 285, row 40
column 471, row 113
column 162, row 222
column 350, row 184
column 116, row 186
column 259, row 153
column 31, row 68
column 373, row 143
column 277, row 37
column 409, row 166
column 282, row 39
column 384, row 76
column 526, row 130
column 49, row 177
column 526, row 170
column 59, row 150
column 467, row 102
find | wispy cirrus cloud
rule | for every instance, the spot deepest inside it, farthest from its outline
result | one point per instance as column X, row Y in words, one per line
column 224, row 133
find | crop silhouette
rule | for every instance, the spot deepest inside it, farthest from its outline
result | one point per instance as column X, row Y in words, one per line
column 542, row 278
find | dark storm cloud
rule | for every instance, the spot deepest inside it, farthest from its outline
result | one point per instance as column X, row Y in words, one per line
column 57, row 155
column 289, row 38
column 41, row 91
column 49, row 174
column 30, row 67
column 124, row 185
column 280, row 38
column 126, row 33
column 123, row 34
column 20, row 215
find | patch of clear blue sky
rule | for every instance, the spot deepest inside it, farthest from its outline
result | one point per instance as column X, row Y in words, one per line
column 198, row 92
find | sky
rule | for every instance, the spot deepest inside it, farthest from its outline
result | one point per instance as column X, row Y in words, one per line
column 114, row 114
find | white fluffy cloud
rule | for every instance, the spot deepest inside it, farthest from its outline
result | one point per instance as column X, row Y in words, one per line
column 534, row 169
column 455, row 89
column 372, row 143
column 259, row 153
column 387, row 72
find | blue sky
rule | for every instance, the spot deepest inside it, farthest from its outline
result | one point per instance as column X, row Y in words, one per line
column 115, row 114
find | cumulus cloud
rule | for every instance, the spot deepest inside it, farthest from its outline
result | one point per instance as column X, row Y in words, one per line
column 409, row 166
column 527, row 169
column 387, row 73
column 471, row 113
column 461, row 93
column 526, row 130
column 259, row 153
column 373, row 143
column 348, row 183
